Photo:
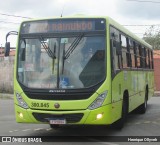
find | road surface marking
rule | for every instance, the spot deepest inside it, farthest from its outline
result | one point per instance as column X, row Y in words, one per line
column 13, row 131
column 26, row 129
column 48, row 129
column 38, row 129
column 128, row 123
column 147, row 122
column 138, row 123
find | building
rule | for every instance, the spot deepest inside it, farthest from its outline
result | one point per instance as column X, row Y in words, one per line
column 6, row 71
column 156, row 57
column 12, row 52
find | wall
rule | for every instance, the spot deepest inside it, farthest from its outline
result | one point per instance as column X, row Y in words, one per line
column 157, row 73
column 6, row 74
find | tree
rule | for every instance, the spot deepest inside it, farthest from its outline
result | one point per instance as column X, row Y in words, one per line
column 152, row 36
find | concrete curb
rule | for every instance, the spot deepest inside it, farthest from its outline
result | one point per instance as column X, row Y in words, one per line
column 157, row 94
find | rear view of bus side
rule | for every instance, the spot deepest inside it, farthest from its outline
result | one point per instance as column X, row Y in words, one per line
column 80, row 71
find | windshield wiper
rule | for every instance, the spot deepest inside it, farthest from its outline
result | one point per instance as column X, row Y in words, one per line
column 63, row 56
column 73, row 46
column 70, row 49
column 47, row 48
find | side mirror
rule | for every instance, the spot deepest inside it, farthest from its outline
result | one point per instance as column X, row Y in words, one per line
column 7, row 45
column 7, row 49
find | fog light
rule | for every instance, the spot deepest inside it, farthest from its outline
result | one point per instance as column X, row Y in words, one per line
column 20, row 114
column 99, row 116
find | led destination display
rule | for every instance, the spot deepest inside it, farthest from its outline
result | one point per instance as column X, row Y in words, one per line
column 56, row 25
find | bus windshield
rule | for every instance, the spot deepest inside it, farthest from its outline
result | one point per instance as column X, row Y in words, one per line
column 68, row 63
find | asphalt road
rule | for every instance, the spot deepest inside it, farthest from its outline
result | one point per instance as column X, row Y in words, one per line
column 147, row 124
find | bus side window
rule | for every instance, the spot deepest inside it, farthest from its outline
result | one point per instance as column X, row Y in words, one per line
column 135, row 53
column 132, row 54
column 147, row 58
column 129, row 61
column 124, row 51
column 150, row 59
column 138, row 63
column 151, row 55
column 143, row 56
column 115, row 41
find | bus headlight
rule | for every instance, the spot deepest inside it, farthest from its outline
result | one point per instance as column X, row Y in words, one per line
column 21, row 102
column 98, row 102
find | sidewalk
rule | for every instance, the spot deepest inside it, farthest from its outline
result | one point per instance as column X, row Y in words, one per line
column 157, row 94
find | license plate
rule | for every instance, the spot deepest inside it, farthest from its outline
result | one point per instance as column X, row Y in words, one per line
column 57, row 121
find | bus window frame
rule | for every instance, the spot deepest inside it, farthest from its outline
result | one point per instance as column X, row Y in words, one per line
column 124, row 50
column 135, row 44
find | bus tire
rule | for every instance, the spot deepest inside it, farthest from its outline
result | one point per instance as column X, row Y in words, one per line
column 120, row 123
column 142, row 108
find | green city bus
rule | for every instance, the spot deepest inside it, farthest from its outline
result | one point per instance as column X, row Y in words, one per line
column 80, row 71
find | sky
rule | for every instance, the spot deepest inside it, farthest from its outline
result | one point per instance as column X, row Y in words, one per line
column 126, row 12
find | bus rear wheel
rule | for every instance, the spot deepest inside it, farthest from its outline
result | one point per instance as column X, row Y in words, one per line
column 142, row 108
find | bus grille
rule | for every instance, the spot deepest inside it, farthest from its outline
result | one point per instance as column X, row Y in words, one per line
column 70, row 118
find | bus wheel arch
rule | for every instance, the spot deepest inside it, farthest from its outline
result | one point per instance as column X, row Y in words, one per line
column 146, row 92
column 143, row 107
column 126, row 97
column 125, row 105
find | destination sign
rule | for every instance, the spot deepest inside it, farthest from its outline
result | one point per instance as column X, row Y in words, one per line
column 65, row 25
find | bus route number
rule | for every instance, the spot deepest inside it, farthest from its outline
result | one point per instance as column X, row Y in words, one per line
column 39, row 105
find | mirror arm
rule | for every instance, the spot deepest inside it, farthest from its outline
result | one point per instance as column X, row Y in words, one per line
column 7, row 45
column 11, row 33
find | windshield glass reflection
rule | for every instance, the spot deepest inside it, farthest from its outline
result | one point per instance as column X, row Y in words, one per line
column 73, row 62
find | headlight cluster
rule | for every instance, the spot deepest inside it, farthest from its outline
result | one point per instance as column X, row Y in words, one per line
column 21, row 102
column 98, row 102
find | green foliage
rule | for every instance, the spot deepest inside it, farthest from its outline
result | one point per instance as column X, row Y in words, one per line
column 152, row 36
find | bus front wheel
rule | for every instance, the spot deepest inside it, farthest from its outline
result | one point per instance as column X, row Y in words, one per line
column 120, row 123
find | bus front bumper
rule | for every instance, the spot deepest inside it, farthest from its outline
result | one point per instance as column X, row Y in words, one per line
column 99, row 116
